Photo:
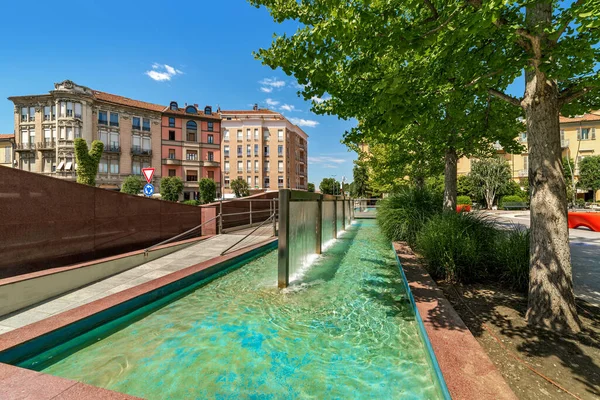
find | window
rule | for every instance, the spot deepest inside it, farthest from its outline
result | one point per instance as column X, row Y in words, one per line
column 226, row 181
column 192, row 128
column 280, row 150
column 78, row 110
column 114, row 140
column 136, row 168
column 211, row 175
column 280, row 166
column 103, row 166
column 280, row 135
column 114, row 119
column 226, row 135
column 171, row 122
column 267, row 182
column 239, row 150
column 114, row 166
column 69, row 133
column 135, row 123
column 239, row 135
column 191, row 110
column 171, row 154
column 191, row 155
column 211, row 156
column 248, row 150
column 62, row 132
column 24, row 113
column 146, row 124
column 255, row 165
column 526, row 163
column 173, row 106
column 146, row 144
column 208, row 111
column 249, row 180
column 191, row 176
column 226, row 151
column 248, row 134
column 210, row 126
column 226, row 166
column 136, row 144
column 266, row 135
column 102, row 118
column 172, row 172
column 77, row 132
column 48, row 164
column 248, row 166
column 585, row 133
column 171, row 135
column 211, row 139
column 266, row 151
column 523, row 136
column 103, row 136
column 53, row 113
column 69, row 109
column 280, row 181
column 240, row 166
column 255, row 134
column 63, row 109
column 256, row 181
column 47, row 113
column 53, row 133
column 266, row 165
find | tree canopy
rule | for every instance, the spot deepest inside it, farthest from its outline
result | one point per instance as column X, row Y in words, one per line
column 170, row 188
column 240, row 188
column 207, row 190
column 330, row 186
column 132, row 185
column 87, row 162
column 589, row 174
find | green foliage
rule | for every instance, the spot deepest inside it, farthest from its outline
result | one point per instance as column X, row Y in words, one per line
column 435, row 184
column 463, row 200
column 360, row 186
column 87, row 163
column 513, row 188
column 589, row 174
column 330, row 186
column 464, row 186
column 192, row 202
column 510, row 199
column 170, row 188
column 132, row 185
column 311, row 187
column 240, row 188
column 457, row 246
column 511, row 255
column 207, row 190
column 402, row 215
column 490, row 176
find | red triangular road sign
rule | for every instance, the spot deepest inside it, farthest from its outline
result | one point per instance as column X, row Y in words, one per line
column 148, row 173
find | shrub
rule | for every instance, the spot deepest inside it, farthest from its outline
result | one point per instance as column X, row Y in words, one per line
column 170, row 188
column 463, row 200
column 132, row 185
column 191, row 202
column 457, row 246
column 240, row 187
column 402, row 215
column 511, row 256
column 510, row 199
column 208, row 190
column 87, row 162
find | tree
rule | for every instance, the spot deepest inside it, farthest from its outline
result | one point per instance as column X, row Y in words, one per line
column 464, row 186
column 311, row 187
column 569, row 175
column 589, row 174
column 240, row 188
column 207, row 190
column 330, row 186
column 360, row 183
column 87, row 163
column 132, row 185
column 490, row 176
column 357, row 50
column 171, row 188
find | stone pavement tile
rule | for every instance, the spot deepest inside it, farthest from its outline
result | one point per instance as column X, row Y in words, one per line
column 158, row 273
column 79, row 295
column 52, row 306
column 24, row 318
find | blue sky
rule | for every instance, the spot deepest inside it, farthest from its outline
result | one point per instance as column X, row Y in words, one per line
column 112, row 45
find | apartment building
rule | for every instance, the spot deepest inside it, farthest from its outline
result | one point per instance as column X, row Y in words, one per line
column 263, row 148
column 578, row 140
column 7, row 141
column 47, row 124
column 191, row 146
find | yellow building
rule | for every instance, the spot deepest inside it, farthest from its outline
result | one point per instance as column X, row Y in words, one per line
column 6, row 149
column 578, row 140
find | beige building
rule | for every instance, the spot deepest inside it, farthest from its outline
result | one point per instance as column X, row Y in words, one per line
column 47, row 124
column 263, row 148
column 7, row 141
column 578, row 140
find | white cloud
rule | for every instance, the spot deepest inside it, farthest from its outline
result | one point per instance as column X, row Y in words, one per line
column 271, row 102
column 288, row 107
column 162, row 72
column 319, row 100
column 266, row 89
column 326, row 160
column 272, row 82
column 304, row 122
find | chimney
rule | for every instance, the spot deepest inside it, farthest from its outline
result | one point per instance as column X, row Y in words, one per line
column 255, row 108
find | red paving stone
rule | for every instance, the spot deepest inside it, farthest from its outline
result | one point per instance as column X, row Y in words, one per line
column 467, row 370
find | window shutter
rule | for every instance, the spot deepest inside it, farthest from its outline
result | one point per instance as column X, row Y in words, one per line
column 578, row 133
column 593, row 133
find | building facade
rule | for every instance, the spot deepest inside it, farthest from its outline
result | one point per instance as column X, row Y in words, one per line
column 7, row 149
column 263, row 148
column 578, row 140
column 191, row 146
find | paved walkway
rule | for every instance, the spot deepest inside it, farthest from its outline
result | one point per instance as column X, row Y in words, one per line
column 176, row 261
column 585, row 257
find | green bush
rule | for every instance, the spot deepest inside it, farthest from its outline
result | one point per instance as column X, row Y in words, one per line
column 170, row 188
column 457, row 246
column 207, row 190
column 511, row 256
column 191, row 202
column 463, row 200
column 132, row 185
column 402, row 215
column 510, row 199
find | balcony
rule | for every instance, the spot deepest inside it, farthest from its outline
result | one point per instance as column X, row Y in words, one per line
column 46, row 145
column 145, row 128
column 522, row 173
column 211, row 163
column 136, row 127
column 226, row 154
column 102, row 122
column 25, row 147
column 564, row 143
column 138, row 151
column 113, row 123
column 112, row 148
column 171, row 161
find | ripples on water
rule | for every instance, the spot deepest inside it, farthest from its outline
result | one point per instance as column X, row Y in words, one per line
column 345, row 330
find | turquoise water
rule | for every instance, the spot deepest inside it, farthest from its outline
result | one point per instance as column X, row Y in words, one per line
column 346, row 330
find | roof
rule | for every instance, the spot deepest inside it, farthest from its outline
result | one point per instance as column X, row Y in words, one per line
column 181, row 111
column 582, row 118
column 9, row 136
column 124, row 101
column 241, row 112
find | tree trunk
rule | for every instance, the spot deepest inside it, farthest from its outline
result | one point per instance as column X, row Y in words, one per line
column 450, row 173
column 551, row 301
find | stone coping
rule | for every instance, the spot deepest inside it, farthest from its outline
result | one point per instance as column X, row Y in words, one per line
column 468, row 372
column 20, row 383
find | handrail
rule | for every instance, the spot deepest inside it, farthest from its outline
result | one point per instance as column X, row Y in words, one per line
column 180, row 235
column 254, row 230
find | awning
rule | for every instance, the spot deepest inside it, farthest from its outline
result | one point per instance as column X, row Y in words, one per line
column 68, row 166
column 60, row 166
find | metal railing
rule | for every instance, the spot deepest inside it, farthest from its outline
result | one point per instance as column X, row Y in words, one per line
column 181, row 235
column 272, row 218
